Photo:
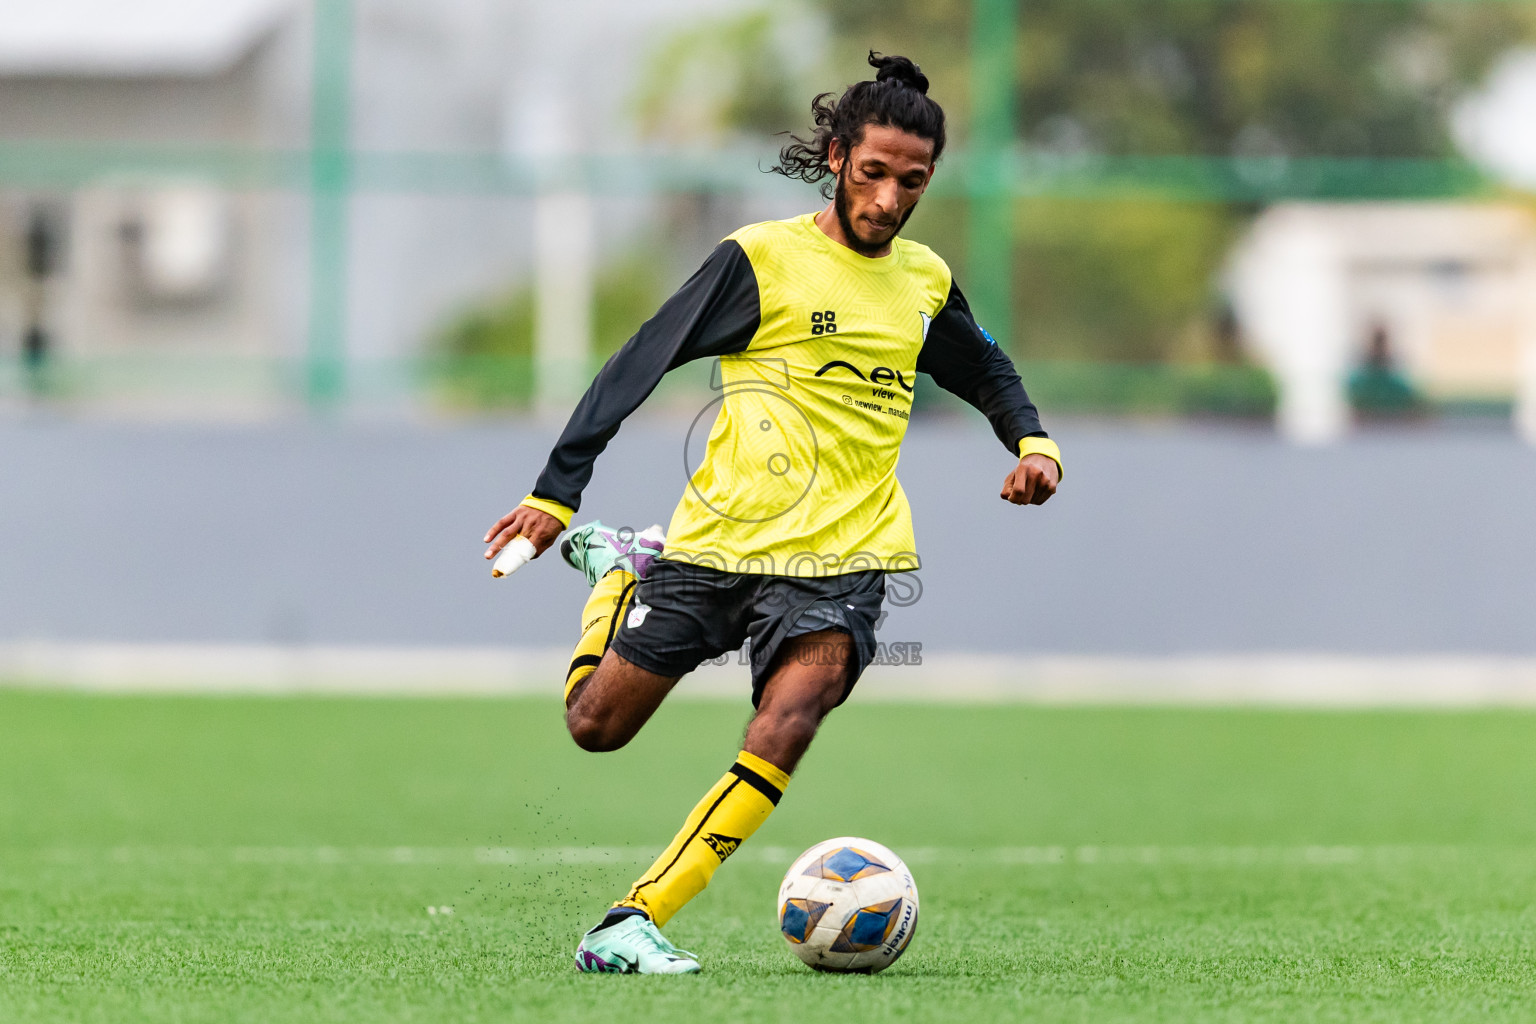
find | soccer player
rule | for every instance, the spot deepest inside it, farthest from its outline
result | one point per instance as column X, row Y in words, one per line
column 789, row 525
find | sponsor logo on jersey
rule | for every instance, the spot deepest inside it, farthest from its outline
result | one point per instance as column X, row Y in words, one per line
column 880, row 375
column 824, row 322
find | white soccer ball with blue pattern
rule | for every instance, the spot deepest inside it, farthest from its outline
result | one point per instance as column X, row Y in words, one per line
column 848, row 905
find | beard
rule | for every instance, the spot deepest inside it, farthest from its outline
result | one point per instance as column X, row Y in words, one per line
column 855, row 242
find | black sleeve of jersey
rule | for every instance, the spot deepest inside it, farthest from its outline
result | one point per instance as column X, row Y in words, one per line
column 716, row 312
column 963, row 360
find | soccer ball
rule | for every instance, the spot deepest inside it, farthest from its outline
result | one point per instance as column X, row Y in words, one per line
column 848, row 905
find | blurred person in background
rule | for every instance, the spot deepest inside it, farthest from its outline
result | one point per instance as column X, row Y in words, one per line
column 1377, row 388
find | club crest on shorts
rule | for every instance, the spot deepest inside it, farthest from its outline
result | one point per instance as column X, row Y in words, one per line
column 637, row 614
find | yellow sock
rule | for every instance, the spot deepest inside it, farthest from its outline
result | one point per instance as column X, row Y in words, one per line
column 722, row 821
column 599, row 618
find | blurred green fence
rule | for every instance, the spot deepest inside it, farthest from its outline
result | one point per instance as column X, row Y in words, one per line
column 481, row 384
column 1003, row 208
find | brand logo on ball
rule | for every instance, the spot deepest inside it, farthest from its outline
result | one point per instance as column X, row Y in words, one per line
column 898, row 941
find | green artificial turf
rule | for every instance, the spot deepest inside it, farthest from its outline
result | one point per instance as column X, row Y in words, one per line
column 223, row 859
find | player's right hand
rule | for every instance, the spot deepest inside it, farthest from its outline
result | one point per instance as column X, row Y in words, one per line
column 540, row 528
column 1032, row 481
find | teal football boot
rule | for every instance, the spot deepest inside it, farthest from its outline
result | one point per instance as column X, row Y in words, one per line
column 632, row 946
column 596, row 550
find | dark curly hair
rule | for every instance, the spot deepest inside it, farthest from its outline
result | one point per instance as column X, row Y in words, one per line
column 897, row 98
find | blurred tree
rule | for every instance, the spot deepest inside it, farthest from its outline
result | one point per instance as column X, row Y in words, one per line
column 934, row 33
column 483, row 357
column 718, row 82
column 725, row 79
column 1125, row 280
column 1214, row 77
column 1134, row 279
column 1131, row 280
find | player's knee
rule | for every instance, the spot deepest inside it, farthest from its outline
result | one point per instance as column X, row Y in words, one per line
column 595, row 733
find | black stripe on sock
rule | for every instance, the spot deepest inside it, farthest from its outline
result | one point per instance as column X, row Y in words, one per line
column 582, row 661
column 684, row 847
column 757, row 782
column 618, row 613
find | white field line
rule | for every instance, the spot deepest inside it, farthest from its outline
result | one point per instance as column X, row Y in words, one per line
column 1294, row 680
column 634, row 856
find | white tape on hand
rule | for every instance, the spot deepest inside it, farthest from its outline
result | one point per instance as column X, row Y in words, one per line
column 513, row 557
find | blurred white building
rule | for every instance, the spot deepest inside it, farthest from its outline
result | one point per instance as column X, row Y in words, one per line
column 152, row 259
column 142, row 259
column 1448, row 288
column 1493, row 124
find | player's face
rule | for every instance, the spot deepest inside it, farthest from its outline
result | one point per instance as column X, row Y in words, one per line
column 879, row 184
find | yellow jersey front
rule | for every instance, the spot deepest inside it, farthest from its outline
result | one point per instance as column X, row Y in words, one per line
column 798, row 476
column 792, row 466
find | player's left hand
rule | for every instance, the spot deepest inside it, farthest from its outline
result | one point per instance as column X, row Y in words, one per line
column 1033, row 482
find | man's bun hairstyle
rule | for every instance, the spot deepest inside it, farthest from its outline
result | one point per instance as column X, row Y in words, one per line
column 898, row 69
column 897, row 98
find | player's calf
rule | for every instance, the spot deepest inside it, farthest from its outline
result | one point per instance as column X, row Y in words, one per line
column 811, row 679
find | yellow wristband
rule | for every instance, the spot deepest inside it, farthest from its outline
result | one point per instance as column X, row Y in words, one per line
column 1042, row 446
column 553, row 508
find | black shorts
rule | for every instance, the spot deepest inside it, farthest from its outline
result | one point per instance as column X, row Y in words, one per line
column 684, row 614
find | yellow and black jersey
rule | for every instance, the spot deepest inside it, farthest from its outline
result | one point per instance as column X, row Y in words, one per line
column 818, row 350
